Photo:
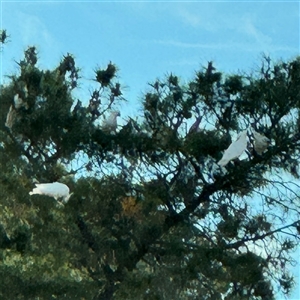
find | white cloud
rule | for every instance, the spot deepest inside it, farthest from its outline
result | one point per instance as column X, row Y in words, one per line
column 249, row 47
column 201, row 16
column 34, row 32
column 251, row 30
column 242, row 27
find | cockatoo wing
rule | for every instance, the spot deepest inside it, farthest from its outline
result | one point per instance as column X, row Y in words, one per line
column 10, row 118
column 259, row 137
column 234, row 150
column 55, row 190
column 261, row 142
column 110, row 124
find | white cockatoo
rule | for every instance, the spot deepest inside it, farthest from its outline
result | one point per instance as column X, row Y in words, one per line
column 110, row 124
column 25, row 90
column 261, row 143
column 235, row 149
column 12, row 113
column 18, row 101
column 56, row 190
column 10, row 118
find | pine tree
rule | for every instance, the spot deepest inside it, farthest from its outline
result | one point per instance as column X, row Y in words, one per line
column 152, row 215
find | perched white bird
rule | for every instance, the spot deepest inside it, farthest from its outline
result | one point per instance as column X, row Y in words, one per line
column 110, row 124
column 234, row 150
column 18, row 101
column 25, row 90
column 261, row 142
column 10, row 118
column 56, row 190
column 12, row 113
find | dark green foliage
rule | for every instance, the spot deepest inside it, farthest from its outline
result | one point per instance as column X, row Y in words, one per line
column 233, row 84
column 152, row 215
column 204, row 143
column 104, row 77
column 230, row 227
column 3, row 36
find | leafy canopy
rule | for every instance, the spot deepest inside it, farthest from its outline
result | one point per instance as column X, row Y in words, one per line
column 152, row 215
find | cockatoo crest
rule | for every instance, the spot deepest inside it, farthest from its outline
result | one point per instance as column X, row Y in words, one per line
column 234, row 150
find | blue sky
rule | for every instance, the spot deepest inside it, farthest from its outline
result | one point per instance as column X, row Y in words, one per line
column 148, row 40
